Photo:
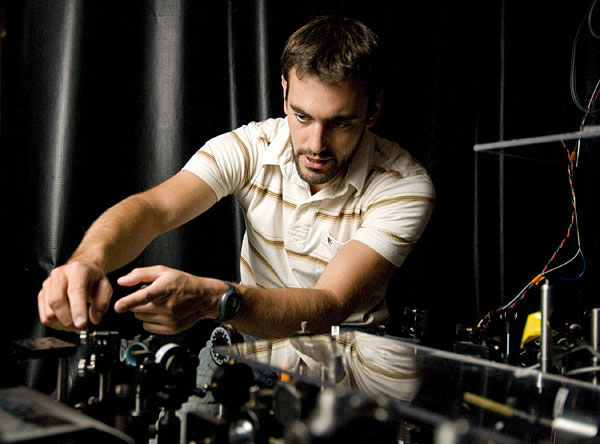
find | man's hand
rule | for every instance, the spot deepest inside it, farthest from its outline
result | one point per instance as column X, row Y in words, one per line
column 62, row 301
column 169, row 301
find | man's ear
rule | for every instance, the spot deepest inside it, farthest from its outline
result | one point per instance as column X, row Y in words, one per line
column 284, row 85
column 374, row 110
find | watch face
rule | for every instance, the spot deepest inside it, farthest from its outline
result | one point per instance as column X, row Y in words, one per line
column 233, row 304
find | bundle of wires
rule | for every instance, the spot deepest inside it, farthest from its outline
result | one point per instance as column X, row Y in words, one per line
column 573, row 158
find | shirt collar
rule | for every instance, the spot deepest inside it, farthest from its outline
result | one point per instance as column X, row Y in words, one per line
column 360, row 164
column 277, row 152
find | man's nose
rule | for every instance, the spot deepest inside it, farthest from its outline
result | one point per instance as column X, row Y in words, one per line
column 317, row 138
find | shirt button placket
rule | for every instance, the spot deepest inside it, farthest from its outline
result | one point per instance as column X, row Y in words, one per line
column 300, row 226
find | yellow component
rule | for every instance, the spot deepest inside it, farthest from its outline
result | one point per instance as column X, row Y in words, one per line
column 539, row 278
column 285, row 377
column 533, row 328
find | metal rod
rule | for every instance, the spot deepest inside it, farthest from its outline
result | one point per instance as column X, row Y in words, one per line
column 587, row 133
column 546, row 293
column 595, row 339
column 61, row 379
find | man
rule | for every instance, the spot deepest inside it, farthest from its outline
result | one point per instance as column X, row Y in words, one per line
column 331, row 210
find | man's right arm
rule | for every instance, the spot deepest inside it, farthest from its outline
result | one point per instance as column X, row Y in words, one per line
column 117, row 237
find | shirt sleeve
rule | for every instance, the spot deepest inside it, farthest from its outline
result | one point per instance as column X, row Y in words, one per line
column 397, row 216
column 223, row 162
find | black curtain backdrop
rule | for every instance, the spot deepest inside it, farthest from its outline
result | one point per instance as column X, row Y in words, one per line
column 104, row 99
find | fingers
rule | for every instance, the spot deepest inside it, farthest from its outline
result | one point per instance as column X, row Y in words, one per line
column 47, row 316
column 160, row 323
column 135, row 299
column 62, row 301
column 141, row 275
column 100, row 303
column 169, row 303
column 159, row 329
column 77, row 302
column 143, row 295
column 55, row 310
column 147, row 293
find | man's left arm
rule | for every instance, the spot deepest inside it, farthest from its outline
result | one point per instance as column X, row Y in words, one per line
column 349, row 281
column 173, row 301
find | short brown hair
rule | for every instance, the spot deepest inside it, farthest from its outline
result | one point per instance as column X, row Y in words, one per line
column 335, row 49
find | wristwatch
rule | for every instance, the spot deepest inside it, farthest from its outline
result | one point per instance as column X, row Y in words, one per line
column 230, row 303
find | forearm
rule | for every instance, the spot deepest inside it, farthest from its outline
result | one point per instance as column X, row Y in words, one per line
column 172, row 301
column 119, row 235
column 350, row 281
column 276, row 313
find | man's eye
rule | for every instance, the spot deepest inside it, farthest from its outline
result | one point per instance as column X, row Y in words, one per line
column 342, row 124
column 301, row 118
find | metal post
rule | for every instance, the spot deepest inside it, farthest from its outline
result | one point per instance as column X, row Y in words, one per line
column 595, row 339
column 546, row 293
column 62, row 378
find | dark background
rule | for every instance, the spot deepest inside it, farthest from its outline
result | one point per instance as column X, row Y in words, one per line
column 104, row 99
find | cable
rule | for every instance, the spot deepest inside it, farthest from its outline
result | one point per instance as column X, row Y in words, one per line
column 573, row 70
column 573, row 160
column 589, row 21
column 571, row 156
column 593, row 98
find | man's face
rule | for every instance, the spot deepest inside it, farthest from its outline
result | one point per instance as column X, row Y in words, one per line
column 326, row 125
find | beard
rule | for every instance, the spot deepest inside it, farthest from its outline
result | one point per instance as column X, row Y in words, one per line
column 335, row 164
column 319, row 176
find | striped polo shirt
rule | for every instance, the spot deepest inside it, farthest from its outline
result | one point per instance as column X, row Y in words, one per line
column 384, row 201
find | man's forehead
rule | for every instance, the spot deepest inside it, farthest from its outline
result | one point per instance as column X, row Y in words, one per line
column 308, row 95
column 295, row 76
